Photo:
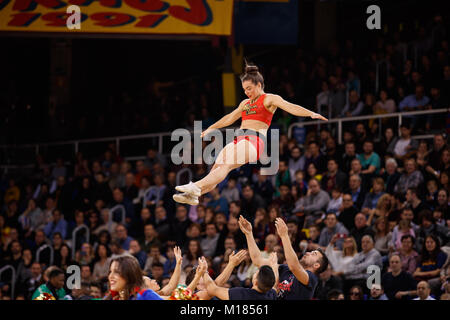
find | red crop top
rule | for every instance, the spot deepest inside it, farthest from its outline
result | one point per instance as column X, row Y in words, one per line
column 257, row 111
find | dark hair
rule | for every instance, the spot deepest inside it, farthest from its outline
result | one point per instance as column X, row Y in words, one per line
column 252, row 74
column 413, row 191
column 427, row 255
column 334, row 294
column 108, row 251
column 425, row 215
column 128, row 268
column 236, row 202
column 361, row 294
column 190, row 276
column 407, row 236
column 54, row 273
column 323, row 262
column 199, row 252
column 157, row 264
column 266, row 278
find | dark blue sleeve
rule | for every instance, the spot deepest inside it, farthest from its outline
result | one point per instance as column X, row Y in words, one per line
column 237, row 293
column 441, row 258
column 149, row 295
column 312, row 282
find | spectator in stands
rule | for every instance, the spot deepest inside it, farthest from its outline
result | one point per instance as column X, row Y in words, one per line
column 356, row 272
column 356, row 293
column 347, row 212
column 391, row 175
column 217, row 202
column 150, row 238
column 250, row 202
column 316, row 157
column 361, row 229
column 135, row 251
column 231, row 192
column 414, row 102
column 335, row 204
column 411, row 178
column 154, row 256
column 354, row 107
column 340, row 259
column 123, row 237
column 415, row 203
column 333, row 177
column 314, row 204
column 194, row 251
column 333, row 227
column 403, row 147
column 431, row 260
column 180, row 226
column 429, row 227
column 327, row 282
column 377, row 292
column 423, row 291
column 296, row 161
column 356, row 190
column 397, row 283
column 119, row 199
column 370, row 160
column 372, row 199
column 435, row 156
column 32, row 218
column 101, row 266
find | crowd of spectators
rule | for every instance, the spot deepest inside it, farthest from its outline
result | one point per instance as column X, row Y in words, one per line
column 367, row 201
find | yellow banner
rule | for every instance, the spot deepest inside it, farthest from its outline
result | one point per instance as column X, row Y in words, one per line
column 118, row 16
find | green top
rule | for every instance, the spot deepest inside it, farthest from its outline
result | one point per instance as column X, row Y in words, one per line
column 44, row 289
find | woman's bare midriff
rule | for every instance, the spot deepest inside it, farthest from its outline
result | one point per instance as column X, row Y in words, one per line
column 255, row 125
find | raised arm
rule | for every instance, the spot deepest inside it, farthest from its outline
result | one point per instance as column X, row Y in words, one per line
column 291, row 257
column 294, row 109
column 273, row 260
column 226, row 120
column 213, row 289
column 234, row 260
column 253, row 249
column 200, row 271
column 175, row 279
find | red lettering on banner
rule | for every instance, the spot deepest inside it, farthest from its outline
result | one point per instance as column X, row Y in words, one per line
column 151, row 20
column 199, row 12
column 23, row 19
column 56, row 19
column 148, row 5
column 29, row 5
column 112, row 19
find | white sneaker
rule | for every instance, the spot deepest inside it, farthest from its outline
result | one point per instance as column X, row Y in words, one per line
column 185, row 198
column 190, row 188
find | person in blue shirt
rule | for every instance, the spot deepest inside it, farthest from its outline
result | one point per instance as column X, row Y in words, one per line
column 298, row 279
column 57, row 225
column 218, row 203
column 414, row 102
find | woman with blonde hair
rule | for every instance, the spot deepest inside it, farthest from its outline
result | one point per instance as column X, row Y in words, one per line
column 382, row 235
column 340, row 259
column 383, row 208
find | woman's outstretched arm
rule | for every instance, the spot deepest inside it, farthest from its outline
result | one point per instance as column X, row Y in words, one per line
column 296, row 110
column 226, row 120
column 175, row 279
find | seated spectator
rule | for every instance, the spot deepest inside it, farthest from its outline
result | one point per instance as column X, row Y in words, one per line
column 250, row 202
column 296, row 162
column 348, row 156
column 231, row 192
column 122, row 237
column 170, row 263
column 54, row 287
column 32, row 218
column 285, row 201
column 356, row 293
column 194, row 251
column 313, row 173
column 120, row 199
column 316, row 157
column 397, row 283
column 403, row 228
column 333, row 227
column 377, row 292
column 135, row 251
column 66, row 257
column 347, row 212
column 335, row 203
column 429, row 227
column 434, row 164
column 154, row 255
column 300, row 183
column 361, row 229
column 209, row 242
column 415, row 203
column 431, row 260
column 403, row 147
column 385, row 104
column 327, row 282
column 356, row 191
column 333, row 177
column 354, row 107
column 391, row 175
column 283, row 177
column 411, row 178
column 414, row 102
column 101, row 266
column 340, row 259
column 356, row 272
column 370, row 160
column 423, row 291
column 142, row 196
column 373, row 198
column 382, row 235
column 261, row 226
column 335, row 295
column 58, row 224
column 383, row 208
column 313, row 205
column 86, row 255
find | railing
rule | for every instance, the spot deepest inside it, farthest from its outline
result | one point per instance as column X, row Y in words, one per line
column 74, row 238
column 13, row 278
column 42, row 248
column 114, row 209
column 339, row 121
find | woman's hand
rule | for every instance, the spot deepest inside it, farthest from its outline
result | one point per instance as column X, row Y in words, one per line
column 235, row 259
column 178, row 256
column 206, row 132
column 318, row 116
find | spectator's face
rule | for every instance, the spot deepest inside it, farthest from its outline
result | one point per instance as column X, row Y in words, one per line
column 423, row 290
column 134, row 247
column 211, row 230
column 366, row 244
column 354, row 183
column 332, row 166
column 284, row 191
column 129, row 179
column 154, row 252
column 57, row 240
column 16, row 248
column 314, row 186
column 116, row 282
column 360, row 130
column 229, row 244
column 353, row 97
column 405, row 132
column 407, row 244
column 410, row 166
column 221, row 219
column 395, row 264
column 149, row 231
column 61, row 181
column 439, row 142
column 314, row 149
column 292, row 228
column 295, row 153
column 377, row 187
column 331, row 221
column 118, row 195
column 140, row 166
column 85, row 272
column 160, row 213
column 271, row 242
column 430, row 245
column 58, row 281
column 121, row 232
column 368, row 147
column 193, row 247
column 356, row 166
column 36, row 270
column 419, row 92
column 391, row 168
column 442, row 197
column 181, row 213
column 96, row 292
column 102, row 251
column 247, row 192
column 145, row 214
column 376, row 291
column 233, row 225
column 40, row 237
column 350, row 149
column 360, row 221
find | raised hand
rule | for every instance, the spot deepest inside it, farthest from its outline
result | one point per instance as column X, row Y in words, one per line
column 202, row 266
column 235, row 259
column 318, row 116
column 245, row 226
column 177, row 253
column 281, row 226
column 204, row 133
